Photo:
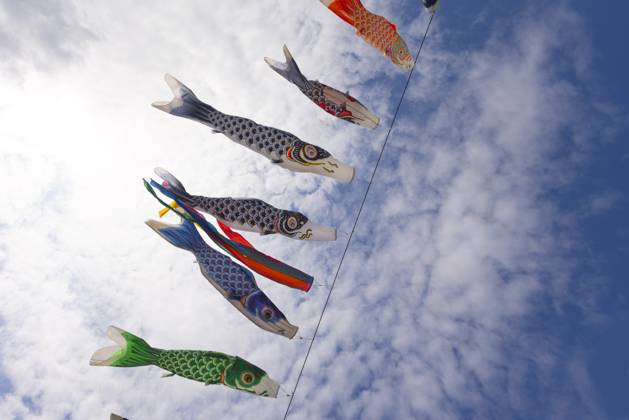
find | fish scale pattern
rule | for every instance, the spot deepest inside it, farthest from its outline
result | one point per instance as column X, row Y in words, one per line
column 314, row 91
column 375, row 29
column 230, row 277
column 269, row 141
column 203, row 366
column 250, row 211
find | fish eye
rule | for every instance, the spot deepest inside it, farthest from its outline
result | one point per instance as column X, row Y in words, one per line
column 310, row 151
column 246, row 378
column 291, row 222
column 267, row 313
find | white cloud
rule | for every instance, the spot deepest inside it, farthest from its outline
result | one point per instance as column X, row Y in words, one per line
column 41, row 34
column 456, row 251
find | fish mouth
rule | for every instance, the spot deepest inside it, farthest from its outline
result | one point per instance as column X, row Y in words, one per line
column 328, row 166
column 314, row 232
column 370, row 121
column 281, row 327
column 405, row 65
column 362, row 116
column 359, row 113
column 334, row 168
column 267, row 388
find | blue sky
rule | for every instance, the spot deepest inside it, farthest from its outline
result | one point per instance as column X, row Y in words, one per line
column 604, row 252
column 488, row 274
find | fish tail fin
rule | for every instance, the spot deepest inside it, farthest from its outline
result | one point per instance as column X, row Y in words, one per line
column 184, row 103
column 173, row 185
column 129, row 351
column 344, row 9
column 289, row 70
column 183, row 235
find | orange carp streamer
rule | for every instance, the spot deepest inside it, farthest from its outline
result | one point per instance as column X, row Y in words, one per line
column 374, row 29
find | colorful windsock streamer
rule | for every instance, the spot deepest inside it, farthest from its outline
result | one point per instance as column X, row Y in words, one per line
column 333, row 101
column 208, row 367
column 282, row 148
column 257, row 261
column 374, row 29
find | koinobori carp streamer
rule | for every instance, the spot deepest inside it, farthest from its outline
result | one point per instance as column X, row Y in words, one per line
column 233, row 281
column 250, row 214
column 236, row 245
column 333, row 101
column 282, row 148
column 374, row 29
column 208, row 367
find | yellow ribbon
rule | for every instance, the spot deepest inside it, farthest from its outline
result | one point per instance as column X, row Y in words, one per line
column 165, row 210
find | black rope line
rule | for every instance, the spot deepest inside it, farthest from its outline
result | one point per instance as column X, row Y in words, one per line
column 360, row 209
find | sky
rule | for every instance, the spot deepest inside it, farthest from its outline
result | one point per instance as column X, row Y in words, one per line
column 487, row 276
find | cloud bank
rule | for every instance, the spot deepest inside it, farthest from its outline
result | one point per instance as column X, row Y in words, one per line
column 40, row 35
